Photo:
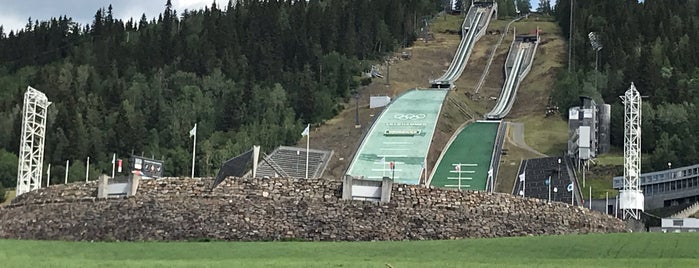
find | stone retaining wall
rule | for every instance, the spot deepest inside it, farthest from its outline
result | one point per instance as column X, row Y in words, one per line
column 284, row 209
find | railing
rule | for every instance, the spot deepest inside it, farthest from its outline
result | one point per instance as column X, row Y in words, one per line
column 691, row 210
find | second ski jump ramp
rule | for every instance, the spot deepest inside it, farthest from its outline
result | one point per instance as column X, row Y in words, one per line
column 473, row 28
column 517, row 66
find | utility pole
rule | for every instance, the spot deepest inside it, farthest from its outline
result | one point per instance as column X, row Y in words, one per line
column 570, row 39
column 388, row 72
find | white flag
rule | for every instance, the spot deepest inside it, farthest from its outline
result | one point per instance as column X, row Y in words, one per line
column 383, row 160
column 490, row 172
column 521, row 177
column 306, row 131
column 113, row 159
column 193, row 132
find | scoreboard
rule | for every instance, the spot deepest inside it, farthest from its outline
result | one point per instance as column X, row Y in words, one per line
column 148, row 167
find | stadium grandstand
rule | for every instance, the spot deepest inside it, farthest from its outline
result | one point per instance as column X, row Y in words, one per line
column 290, row 162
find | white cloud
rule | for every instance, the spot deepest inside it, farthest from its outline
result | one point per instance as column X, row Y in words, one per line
column 181, row 5
column 14, row 14
column 10, row 22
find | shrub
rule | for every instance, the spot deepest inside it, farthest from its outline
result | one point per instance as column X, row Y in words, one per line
column 2, row 193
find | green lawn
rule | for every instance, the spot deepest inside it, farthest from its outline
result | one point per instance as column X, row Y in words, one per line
column 443, row 23
column 613, row 250
column 613, row 158
column 548, row 135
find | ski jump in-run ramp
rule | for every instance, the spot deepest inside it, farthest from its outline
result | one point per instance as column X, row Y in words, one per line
column 397, row 143
column 466, row 161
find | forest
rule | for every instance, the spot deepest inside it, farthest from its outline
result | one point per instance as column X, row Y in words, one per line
column 652, row 44
column 250, row 72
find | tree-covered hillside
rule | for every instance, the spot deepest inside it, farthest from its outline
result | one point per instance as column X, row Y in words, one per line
column 250, row 72
column 653, row 44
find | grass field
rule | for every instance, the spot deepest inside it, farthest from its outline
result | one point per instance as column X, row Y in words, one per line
column 612, row 250
column 548, row 135
column 440, row 24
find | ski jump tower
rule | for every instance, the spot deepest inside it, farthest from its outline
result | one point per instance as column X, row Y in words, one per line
column 31, row 146
column 630, row 197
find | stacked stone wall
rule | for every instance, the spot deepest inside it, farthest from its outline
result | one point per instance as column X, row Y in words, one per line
column 284, row 209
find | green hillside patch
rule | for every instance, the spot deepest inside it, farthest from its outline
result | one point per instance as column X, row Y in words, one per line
column 598, row 250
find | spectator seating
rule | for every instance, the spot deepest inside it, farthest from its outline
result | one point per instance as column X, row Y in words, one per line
column 291, row 162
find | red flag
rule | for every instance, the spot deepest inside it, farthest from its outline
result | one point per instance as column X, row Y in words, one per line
column 392, row 165
column 457, row 167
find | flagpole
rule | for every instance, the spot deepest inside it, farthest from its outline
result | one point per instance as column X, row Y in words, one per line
column 606, row 204
column 549, row 189
column 113, row 164
column 67, row 167
column 194, row 148
column 87, row 169
column 308, row 147
column 48, row 176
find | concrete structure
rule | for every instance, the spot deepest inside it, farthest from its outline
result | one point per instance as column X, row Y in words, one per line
column 367, row 190
column 667, row 187
column 588, row 130
column 118, row 187
column 379, row 101
column 679, row 225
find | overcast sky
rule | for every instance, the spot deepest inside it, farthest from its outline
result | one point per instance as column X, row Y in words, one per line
column 14, row 13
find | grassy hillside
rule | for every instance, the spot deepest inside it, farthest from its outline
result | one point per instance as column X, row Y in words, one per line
column 612, row 250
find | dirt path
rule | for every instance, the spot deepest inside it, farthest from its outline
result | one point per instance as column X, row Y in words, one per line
column 517, row 139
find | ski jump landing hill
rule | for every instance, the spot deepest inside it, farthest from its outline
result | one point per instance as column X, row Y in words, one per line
column 400, row 137
column 473, row 28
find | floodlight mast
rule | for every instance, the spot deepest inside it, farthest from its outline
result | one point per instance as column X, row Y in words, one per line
column 631, row 200
column 31, row 147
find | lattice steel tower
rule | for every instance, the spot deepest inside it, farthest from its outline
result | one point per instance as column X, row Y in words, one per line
column 631, row 196
column 31, row 146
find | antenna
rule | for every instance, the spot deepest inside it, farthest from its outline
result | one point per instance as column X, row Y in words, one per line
column 630, row 197
column 31, row 147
